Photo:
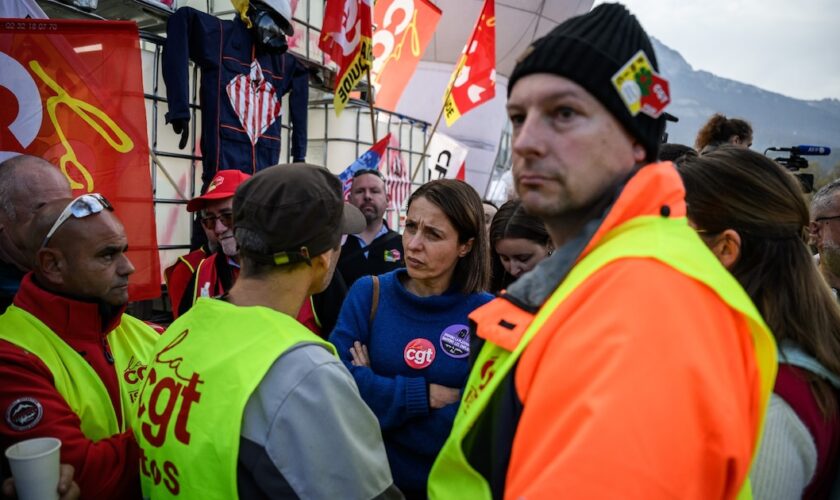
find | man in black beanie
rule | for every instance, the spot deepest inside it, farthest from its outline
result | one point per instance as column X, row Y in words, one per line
column 629, row 364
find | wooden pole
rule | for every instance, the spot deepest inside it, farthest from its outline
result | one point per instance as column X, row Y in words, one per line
column 426, row 146
column 370, row 105
column 159, row 165
column 434, row 128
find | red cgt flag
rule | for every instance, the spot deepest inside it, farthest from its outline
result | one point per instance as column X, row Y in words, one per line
column 346, row 37
column 403, row 30
column 474, row 79
column 73, row 95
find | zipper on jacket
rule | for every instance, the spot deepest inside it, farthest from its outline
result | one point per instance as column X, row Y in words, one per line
column 106, row 349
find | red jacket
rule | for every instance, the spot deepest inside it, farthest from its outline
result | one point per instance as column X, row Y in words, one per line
column 179, row 276
column 104, row 469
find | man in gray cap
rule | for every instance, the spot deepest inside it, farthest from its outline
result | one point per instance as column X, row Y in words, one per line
column 629, row 364
column 244, row 401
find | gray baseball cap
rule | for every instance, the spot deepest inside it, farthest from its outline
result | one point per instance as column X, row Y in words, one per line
column 295, row 206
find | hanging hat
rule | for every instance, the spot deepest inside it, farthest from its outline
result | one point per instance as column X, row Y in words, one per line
column 608, row 53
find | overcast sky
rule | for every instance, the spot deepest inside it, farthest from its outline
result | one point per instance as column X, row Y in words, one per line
column 785, row 46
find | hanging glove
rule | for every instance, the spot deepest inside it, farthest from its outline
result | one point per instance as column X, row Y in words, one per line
column 180, row 126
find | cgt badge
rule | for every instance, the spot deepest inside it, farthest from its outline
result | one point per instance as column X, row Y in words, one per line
column 641, row 88
column 419, row 353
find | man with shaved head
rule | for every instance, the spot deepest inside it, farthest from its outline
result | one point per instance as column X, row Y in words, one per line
column 71, row 361
column 26, row 183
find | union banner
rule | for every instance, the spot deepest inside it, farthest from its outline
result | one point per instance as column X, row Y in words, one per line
column 474, row 80
column 404, row 29
column 72, row 93
column 346, row 39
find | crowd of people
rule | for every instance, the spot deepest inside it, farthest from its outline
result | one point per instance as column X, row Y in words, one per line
column 641, row 321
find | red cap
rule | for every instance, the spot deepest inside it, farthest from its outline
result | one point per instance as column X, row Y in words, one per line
column 223, row 186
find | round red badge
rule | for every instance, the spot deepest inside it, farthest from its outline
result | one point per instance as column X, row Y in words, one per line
column 419, row 353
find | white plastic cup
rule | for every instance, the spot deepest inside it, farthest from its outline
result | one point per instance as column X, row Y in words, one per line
column 35, row 467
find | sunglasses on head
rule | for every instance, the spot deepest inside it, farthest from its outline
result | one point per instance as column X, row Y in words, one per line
column 369, row 171
column 80, row 207
column 209, row 221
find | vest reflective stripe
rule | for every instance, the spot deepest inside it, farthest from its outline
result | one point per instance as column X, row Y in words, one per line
column 670, row 241
column 185, row 259
column 205, row 279
column 206, row 366
column 75, row 379
column 189, row 265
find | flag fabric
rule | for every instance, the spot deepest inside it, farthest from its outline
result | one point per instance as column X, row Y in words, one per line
column 474, row 80
column 75, row 98
column 397, row 180
column 447, row 158
column 254, row 101
column 22, row 8
column 346, row 38
column 370, row 160
column 403, row 30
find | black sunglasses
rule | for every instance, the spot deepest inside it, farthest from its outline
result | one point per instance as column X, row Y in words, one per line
column 209, row 221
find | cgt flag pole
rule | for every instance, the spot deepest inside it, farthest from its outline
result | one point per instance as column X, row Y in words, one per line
column 474, row 80
column 370, row 105
column 434, row 128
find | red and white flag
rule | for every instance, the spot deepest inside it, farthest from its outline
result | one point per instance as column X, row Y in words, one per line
column 474, row 80
column 254, row 101
column 403, row 30
column 346, row 38
column 73, row 95
column 398, row 181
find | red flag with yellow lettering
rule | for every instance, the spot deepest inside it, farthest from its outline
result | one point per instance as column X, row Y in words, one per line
column 474, row 80
column 403, row 30
column 72, row 93
column 346, row 37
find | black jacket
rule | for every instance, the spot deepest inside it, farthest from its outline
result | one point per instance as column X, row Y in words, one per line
column 384, row 254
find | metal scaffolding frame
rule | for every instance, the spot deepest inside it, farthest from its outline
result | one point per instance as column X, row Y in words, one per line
column 412, row 133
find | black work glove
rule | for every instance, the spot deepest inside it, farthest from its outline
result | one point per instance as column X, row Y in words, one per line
column 179, row 125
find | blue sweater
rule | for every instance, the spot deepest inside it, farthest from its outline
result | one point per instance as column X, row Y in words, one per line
column 396, row 391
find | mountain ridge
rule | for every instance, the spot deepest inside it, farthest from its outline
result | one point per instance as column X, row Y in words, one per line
column 777, row 119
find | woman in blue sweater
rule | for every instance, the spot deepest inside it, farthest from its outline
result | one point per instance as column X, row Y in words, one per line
column 405, row 336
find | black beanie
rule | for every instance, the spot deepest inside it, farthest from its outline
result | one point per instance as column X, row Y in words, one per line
column 589, row 50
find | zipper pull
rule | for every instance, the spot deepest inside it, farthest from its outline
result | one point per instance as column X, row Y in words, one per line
column 107, row 350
